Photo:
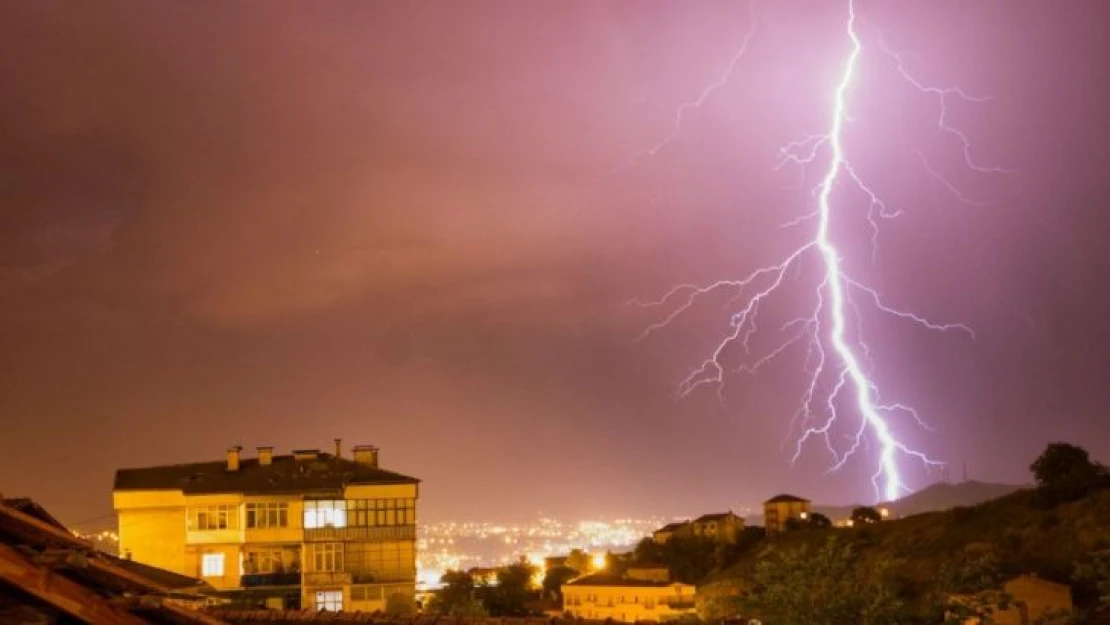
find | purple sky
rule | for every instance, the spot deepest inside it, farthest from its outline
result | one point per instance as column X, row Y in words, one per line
column 413, row 224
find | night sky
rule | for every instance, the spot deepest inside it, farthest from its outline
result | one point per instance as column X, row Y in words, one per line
column 416, row 225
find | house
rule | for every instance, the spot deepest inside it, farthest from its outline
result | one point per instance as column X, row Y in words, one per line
column 663, row 534
column 49, row 575
column 306, row 530
column 624, row 598
column 1032, row 600
column 780, row 508
column 723, row 527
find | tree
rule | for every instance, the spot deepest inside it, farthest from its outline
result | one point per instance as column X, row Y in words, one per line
column 690, row 558
column 554, row 579
column 1094, row 573
column 971, row 589
column 512, row 593
column 400, row 604
column 865, row 514
column 819, row 521
column 1064, row 472
column 578, row 560
column 828, row 587
column 648, row 552
column 456, row 598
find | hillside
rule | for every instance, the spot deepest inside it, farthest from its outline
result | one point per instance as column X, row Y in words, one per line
column 1025, row 538
column 935, row 498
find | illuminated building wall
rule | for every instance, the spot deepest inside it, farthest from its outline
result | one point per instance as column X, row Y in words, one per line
column 309, row 529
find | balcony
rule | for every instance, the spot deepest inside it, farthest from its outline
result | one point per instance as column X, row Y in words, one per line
column 326, row 578
column 270, row 579
column 337, row 534
column 366, row 577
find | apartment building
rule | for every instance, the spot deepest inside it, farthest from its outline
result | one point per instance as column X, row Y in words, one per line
column 780, row 509
column 308, row 529
column 629, row 598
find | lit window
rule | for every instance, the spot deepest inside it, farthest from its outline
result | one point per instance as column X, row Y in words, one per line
column 325, row 514
column 212, row 565
column 331, row 600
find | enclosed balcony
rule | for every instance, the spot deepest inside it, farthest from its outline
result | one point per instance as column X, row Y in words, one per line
column 394, row 532
column 257, row 580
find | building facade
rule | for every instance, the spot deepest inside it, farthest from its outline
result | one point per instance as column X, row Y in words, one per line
column 306, row 530
column 723, row 527
column 627, row 599
column 668, row 531
column 781, row 508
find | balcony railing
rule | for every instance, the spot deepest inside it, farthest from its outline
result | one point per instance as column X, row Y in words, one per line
column 326, row 578
column 388, row 532
column 270, row 579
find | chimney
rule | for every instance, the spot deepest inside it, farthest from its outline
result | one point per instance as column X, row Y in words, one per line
column 339, row 448
column 233, row 458
column 367, row 455
column 265, row 456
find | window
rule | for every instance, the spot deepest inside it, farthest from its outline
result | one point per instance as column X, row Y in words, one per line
column 383, row 560
column 331, row 600
column 212, row 565
column 327, row 557
column 264, row 515
column 222, row 517
column 381, row 512
column 263, row 561
column 325, row 514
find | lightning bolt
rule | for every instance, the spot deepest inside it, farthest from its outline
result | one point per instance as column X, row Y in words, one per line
column 837, row 359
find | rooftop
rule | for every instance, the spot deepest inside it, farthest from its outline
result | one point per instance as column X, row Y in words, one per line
column 717, row 516
column 608, row 579
column 670, row 527
column 285, row 474
column 784, row 498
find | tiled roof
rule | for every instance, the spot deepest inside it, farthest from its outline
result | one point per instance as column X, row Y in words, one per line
column 47, row 574
column 605, row 579
column 285, row 474
column 784, row 498
column 670, row 527
column 278, row 617
column 717, row 516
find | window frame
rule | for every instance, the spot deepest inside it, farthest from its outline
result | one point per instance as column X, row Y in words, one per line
column 212, row 564
column 212, row 517
column 266, row 515
column 329, row 600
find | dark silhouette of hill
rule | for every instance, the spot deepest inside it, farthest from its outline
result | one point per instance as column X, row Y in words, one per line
column 936, row 498
column 1026, row 538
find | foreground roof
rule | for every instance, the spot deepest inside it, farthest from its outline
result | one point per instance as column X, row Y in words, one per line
column 670, row 527
column 49, row 575
column 292, row 617
column 284, row 474
column 784, row 498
